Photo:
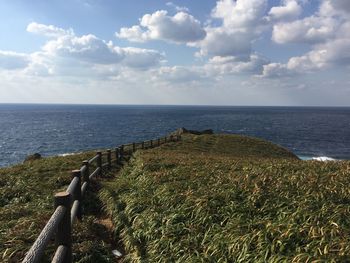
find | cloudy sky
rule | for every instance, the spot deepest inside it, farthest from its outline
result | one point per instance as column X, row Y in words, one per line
column 226, row 52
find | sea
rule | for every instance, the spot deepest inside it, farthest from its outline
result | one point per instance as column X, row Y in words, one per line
column 309, row 132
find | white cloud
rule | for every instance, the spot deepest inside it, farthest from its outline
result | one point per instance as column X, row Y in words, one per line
column 313, row 29
column 328, row 32
column 48, row 30
column 178, row 8
column 180, row 28
column 240, row 25
column 239, row 15
column 11, row 60
column 88, row 49
column 66, row 54
column 221, row 42
column 232, row 65
column 289, row 10
column 275, row 70
column 133, row 34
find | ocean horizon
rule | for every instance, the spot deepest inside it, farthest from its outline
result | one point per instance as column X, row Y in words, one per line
column 58, row 129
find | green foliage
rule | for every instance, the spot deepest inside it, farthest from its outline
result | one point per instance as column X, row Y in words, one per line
column 222, row 198
column 26, row 204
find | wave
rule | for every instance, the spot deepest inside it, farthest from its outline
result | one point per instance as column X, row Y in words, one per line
column 324, row 159
column 318, row 158
column 67, row 154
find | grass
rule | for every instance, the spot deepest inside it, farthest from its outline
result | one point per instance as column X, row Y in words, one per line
column 26, row 204
column 227, row 198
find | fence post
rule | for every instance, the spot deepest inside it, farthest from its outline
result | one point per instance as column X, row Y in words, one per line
column 77, row 192
column 165, row 139
column 99, row 162
column 86, row 172
column 109, row 159
column 143, row 145
column 171, row 138
column 133, row 147
column 158, row 142
column 151, row 143
column 64, row 229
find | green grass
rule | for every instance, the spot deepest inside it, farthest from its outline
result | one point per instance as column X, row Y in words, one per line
column 26, row 204
column 224, row 198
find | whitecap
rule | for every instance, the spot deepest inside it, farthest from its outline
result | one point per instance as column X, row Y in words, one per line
column 67, row 154
column 323, row 159
column 317, row 158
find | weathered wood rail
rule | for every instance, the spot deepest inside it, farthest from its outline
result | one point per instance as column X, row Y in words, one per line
column 68, row 204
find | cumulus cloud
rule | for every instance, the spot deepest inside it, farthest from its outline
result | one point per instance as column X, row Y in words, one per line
column 289, row 10
column 239, row 15
column 275, row 70
column 67, row 54
column 240, row 26
column 133, row 34
column 48, row 30
column 221, row 42
column 328, row 32
column 312, row 29
column 232, row 65
column 88, row 49
column 180, row 28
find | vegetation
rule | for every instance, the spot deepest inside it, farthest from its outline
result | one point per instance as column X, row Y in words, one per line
column 208, row 198
column 26, row 204
column 222, row 198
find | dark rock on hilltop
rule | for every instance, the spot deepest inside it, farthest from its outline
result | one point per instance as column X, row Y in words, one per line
column 184, row 130
column 32, row 157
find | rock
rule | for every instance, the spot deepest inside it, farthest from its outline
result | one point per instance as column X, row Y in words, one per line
column 117, row 253
column 209, row 131
column 32, row 157
column 184, row 130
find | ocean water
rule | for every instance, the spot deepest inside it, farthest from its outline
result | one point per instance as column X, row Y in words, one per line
column 59, row 129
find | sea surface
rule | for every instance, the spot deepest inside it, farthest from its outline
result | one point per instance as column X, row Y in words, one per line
column 61, row 129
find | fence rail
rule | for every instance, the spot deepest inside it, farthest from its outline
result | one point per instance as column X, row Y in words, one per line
column 68, row 204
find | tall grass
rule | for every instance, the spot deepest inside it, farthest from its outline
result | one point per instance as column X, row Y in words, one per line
column 230, row 199
column 26, row 204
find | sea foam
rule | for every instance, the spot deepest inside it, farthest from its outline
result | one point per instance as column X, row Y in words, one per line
column 323, row 159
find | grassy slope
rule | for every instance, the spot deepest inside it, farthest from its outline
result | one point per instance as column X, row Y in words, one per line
column 222, row 198
column 26, row 203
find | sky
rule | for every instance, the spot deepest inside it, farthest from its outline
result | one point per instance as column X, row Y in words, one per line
column 226, row 52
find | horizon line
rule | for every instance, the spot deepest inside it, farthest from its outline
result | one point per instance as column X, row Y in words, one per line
column 173, row 105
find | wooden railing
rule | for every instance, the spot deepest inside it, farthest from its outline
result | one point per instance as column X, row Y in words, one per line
column 68, row 204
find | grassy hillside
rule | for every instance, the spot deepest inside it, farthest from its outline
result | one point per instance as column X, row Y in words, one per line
column 26, row 203
column 226, row 198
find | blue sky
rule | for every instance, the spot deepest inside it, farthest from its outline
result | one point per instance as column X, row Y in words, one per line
column 227, row 52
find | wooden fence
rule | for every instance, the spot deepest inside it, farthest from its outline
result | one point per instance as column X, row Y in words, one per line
column 68, row 204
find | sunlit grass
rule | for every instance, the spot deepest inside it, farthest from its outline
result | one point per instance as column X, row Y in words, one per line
column 26, row 204
column 230, row 199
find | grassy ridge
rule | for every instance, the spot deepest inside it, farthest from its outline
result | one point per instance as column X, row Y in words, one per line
column 215, row 198
column 26, row 203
